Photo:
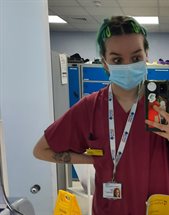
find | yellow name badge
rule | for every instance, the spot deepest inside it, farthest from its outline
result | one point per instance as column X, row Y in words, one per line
column 94, row 152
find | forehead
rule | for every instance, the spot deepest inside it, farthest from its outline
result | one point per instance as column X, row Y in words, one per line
column 124, row 43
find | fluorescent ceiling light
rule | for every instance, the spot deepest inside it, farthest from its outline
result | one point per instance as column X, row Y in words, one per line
column 147, row 19
column 56, row 19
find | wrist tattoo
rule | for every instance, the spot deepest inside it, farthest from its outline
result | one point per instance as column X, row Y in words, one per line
column 62, row 157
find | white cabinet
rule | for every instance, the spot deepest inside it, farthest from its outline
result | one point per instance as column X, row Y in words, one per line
column 84, row 188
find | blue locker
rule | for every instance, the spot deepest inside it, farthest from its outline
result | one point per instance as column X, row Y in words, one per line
column 89, row 87
column 158, row 73
column 94, row 78
column 74, row 86
column 94, row 73
column 74, row 94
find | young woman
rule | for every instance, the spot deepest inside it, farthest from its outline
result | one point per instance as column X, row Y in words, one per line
column 113, row 120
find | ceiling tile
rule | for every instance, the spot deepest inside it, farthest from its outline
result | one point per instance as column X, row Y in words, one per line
column 163, row 3
column 140, row 11
column 81, row 19
column 164, row 19
column 135, row 4
column 108, row 11
column 69, row 10
column 62, row 3
column 104, row 3
column 164, row 11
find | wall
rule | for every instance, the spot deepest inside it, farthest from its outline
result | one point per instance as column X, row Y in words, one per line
column 26, row 98
column 75, row 42
column 159, row 46
column 85, row 44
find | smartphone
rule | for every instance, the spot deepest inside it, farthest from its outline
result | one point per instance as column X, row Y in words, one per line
column 156, row 93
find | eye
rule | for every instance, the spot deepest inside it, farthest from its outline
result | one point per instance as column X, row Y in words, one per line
column 117, row 60
column 137, row 58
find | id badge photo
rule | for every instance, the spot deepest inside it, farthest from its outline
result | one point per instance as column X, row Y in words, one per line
column 112, row 190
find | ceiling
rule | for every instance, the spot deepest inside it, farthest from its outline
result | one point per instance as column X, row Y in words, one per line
column 86, row 15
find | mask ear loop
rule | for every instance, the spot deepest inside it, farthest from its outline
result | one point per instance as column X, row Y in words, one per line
column 104, row 63
column 141, row 87
column 140, row 90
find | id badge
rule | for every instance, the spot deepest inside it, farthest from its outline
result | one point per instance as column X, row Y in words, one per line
column 112, row 190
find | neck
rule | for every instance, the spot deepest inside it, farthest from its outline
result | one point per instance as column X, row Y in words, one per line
column 124, row 95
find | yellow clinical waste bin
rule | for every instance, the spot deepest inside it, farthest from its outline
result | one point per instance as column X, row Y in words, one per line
column 158, row 204
column 66, row 204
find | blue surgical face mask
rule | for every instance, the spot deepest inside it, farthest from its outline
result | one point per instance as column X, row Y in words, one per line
column 128, row 76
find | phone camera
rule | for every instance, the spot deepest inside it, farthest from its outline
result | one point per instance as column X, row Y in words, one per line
column 163, row 88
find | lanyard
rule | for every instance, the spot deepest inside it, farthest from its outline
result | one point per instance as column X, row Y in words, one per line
column 117, row 156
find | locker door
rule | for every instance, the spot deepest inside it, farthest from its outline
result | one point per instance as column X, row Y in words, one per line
column 74, row 86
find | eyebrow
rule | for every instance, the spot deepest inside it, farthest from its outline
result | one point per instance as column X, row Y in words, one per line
column 135, row 52
column 117, row 54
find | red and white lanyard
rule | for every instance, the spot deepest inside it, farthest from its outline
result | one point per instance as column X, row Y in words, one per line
column 116, row 156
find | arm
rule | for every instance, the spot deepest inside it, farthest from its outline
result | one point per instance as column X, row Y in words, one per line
column 43, row 151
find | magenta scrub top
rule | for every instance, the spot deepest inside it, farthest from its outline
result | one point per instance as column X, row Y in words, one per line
column 144, row 166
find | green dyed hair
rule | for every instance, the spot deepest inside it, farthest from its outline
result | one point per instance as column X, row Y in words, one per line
column 119, row 25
